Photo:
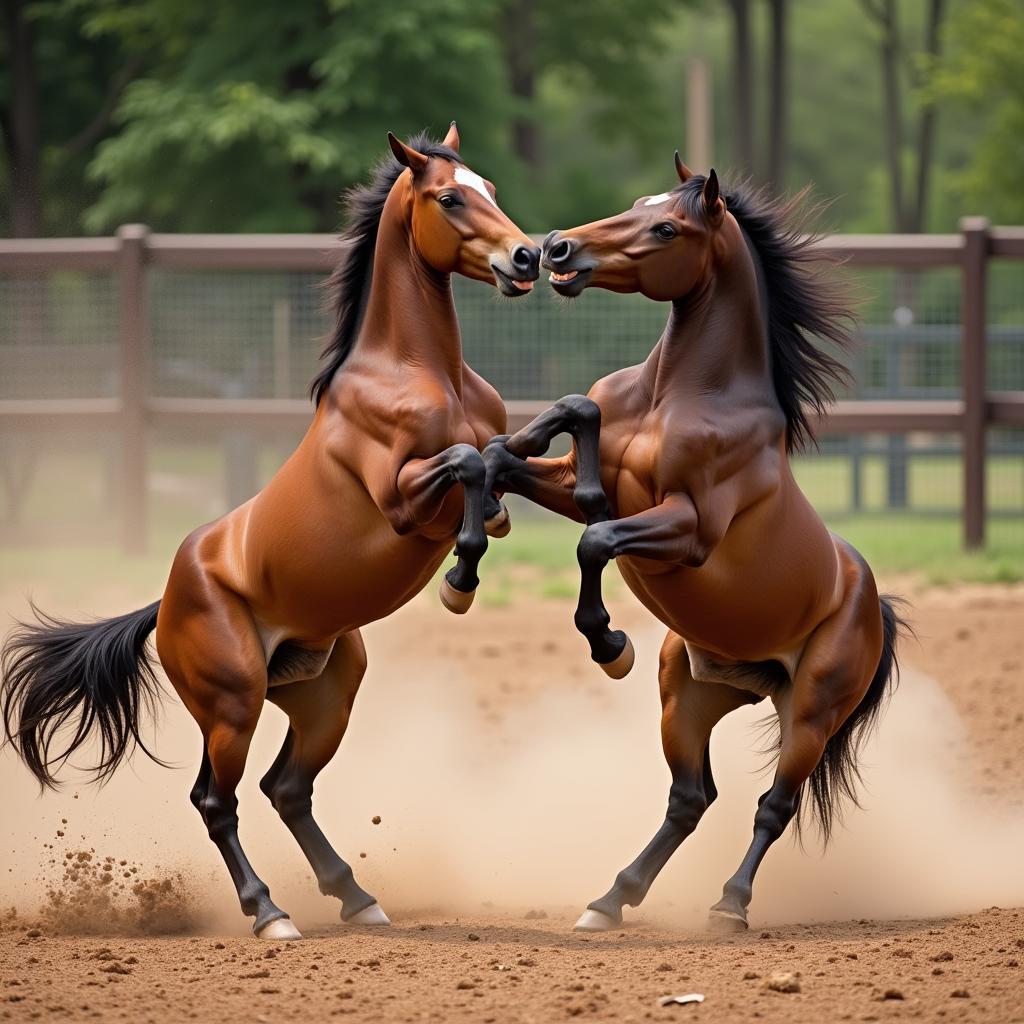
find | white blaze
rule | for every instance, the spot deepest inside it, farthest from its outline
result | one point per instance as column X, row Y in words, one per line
column 659, row 199
column 464, row 176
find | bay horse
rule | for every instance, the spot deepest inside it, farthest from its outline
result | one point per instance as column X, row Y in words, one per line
column 680, row 467
column 266, row 602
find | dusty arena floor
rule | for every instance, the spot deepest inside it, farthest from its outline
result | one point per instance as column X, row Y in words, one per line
column 512, row 781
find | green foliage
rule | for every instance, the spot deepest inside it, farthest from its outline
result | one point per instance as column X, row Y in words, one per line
column 256, row 116
column 983, row 78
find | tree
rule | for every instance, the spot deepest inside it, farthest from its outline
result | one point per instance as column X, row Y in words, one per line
column 778, row 93
column 743, row 86
column 909, row 205
column 984, row 75
column 19, row 122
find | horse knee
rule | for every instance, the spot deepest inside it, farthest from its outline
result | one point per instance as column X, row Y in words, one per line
column 468, row 465
column 596, row 546
column 584, row 411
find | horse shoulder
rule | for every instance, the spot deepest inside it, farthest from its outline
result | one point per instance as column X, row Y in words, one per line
column 619, row 396
column 485, row 410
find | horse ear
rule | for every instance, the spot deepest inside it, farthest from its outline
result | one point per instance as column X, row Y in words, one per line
column 684, row 172
column 406, row 155
column 714, row 204
column 451, row 140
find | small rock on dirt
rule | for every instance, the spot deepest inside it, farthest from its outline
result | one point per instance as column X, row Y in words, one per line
column 375, row 819
column 690, row 997
column 783, row 981
column 892, row 993
column 473, row 937
column 465, row 986
column 960, row 993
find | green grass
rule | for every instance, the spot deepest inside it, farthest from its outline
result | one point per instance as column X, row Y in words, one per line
column 537, row 559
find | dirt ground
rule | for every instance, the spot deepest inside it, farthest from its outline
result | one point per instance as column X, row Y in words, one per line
column 927, row 944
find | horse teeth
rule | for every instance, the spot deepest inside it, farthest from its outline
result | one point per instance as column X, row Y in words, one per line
column 563, row 277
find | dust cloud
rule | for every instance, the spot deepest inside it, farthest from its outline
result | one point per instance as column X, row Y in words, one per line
column 536, row 804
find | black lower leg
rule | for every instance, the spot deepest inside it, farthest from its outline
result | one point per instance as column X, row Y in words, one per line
column 290, row 790
column 592, row 618
column 775, row 811
column 688, row 800
column 220, row 813
column 467, row 468
column 580, row 417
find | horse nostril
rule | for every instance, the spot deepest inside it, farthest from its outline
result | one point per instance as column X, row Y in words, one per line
column 560, row 251
column 524, row 259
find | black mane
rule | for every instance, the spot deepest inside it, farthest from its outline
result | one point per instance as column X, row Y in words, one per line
column 349, row 283
column 802, row 305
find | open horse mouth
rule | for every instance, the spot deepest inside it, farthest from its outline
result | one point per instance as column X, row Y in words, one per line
column 508, row 285
column 570, row 282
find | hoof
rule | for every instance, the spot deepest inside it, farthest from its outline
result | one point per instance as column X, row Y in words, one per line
column 279, row 930
column 456, row 601
column 594, row 921
column 726, row 922
column 500, row 525
column 620, row 667
column 371, row 915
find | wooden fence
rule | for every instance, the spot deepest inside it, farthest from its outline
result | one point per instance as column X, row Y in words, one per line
column 135, row 249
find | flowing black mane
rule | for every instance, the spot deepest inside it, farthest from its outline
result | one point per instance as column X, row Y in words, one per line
column 349, row 283
column 802, row 305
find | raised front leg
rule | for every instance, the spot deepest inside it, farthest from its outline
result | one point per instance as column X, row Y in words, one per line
column 571, row 485
column 666, row 533
column 423, row 485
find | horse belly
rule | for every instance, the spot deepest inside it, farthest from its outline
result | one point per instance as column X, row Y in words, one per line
column 327, row 573
column 749, row 601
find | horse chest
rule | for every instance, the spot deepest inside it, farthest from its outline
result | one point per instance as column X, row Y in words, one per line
column 635, row 460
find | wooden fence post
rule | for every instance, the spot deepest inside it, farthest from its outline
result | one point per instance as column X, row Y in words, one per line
column 973, row 367
column 132, row 336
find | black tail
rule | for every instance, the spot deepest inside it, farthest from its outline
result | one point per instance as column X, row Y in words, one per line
column 837, row 776
column 52, row 671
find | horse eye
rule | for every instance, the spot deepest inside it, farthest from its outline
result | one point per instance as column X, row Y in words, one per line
column 448, row 201
column 665, row 231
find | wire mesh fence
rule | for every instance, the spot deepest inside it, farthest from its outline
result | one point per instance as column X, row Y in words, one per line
column 256, row 334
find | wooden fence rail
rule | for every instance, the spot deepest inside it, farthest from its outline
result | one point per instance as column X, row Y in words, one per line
column 135, row 249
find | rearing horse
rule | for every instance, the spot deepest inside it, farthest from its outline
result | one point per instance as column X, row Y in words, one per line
column 710, row 530
column 266, row 602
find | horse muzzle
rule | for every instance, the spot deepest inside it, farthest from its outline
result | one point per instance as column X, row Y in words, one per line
column 515, row 275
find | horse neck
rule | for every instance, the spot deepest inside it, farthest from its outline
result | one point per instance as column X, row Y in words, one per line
column 716, row 335
column 410, row 315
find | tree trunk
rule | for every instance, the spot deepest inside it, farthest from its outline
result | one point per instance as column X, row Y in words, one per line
column 22, row 125
column 777, row 149
column 743, row 86
column 926, row 136
column 889, row 51
column 520, row 44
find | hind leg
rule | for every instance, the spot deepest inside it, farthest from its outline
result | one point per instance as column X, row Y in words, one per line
column 216, row 802
column 831, row 680
column 318, row 712
column 690, row 710
column 212, row 655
